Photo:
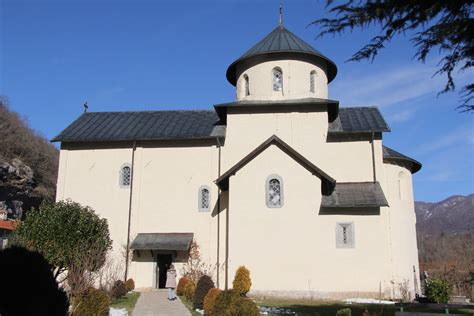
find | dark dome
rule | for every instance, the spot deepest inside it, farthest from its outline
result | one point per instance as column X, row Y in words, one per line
column 281, row 42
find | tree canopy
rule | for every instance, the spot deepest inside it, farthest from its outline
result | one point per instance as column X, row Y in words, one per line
column 445, row 25
column 67, row 234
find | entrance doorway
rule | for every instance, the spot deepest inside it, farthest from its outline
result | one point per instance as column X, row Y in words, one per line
column 162, row 264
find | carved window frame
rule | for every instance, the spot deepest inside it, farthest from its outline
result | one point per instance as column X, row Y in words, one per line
column 267, row 191
column 121, row 175
column 345, row 235
column 200, row 198
column 277, row 79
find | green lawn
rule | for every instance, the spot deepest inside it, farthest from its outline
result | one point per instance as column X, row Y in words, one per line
column 329, row 308
column 128, row 301
column 189, row 305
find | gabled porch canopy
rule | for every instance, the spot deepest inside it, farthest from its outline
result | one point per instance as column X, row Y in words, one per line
column 327, row 183
column 162, row 241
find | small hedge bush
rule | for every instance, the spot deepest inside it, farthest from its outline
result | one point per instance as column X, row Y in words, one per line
column 118, row 289
column 189, row 290
column 92, row 302
column 210, row 300
column 203, row 286
column 344, row 312
column 247, row 307
column 225, row 303
column 130, row 285
column 242, row 281
column 437, row 290
column 181, row 285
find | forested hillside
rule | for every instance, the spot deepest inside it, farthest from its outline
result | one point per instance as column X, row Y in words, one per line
column 28, row 164
column 446, row 240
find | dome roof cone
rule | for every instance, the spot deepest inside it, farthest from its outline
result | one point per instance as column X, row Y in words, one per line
column 280, row 44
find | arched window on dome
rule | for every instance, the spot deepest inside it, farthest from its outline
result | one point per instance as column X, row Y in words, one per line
column 274, row 192
column 246, row 85
column 312, row 80
column 403, row 189
column 277, row 77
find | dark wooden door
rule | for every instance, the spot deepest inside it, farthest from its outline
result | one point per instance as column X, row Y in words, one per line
column 162, row 264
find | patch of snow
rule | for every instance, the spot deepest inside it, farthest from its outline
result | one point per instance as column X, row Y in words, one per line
column 275, row 310
column 367, row 301
column 118, row 312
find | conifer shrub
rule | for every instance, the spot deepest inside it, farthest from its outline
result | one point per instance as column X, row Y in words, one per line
column 226, row 303
column 130, row 285
column 118, row 289
column 210, row 300
column 181, row 285
column 247, row 307
column 344, row 312
column 189, row 290
column 203, row 286
column 242, row 281
column 92, row 302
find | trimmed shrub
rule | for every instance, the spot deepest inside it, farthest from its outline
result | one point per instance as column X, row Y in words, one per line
column 210, row 300
column 344, row 312
column 437, row 290
column 189, row 290
column 118, row 289
column 225, row 304
column 92, row 302
column 242, row 281
column 203, row 286
column 130, row 285
column 247, row 307
column 181, row 285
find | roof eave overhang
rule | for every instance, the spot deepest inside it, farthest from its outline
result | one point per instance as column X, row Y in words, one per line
column 332, row 106
column 412, row 165
column 249, row 61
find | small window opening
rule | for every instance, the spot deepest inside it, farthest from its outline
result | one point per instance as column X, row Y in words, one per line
column 126, row 176
column 277, row 75
column 312, row 79
column 204, row 199
column 247, row 85
column 345, row 235
column 274, row 192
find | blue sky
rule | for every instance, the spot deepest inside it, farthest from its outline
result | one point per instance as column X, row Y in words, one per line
column 152, row 55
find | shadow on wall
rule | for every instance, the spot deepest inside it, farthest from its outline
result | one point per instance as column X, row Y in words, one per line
column 27, row 285
column 370, row 211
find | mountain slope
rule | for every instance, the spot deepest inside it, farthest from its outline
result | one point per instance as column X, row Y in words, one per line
column 452, row 215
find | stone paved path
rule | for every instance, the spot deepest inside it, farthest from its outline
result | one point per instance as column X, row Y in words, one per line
column 155, row 303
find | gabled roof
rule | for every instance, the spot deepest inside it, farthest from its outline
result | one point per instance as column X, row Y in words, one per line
column 282, row 41
column 357, row 120
column 354, row 195
column 327, row 183
column 390, row 155
column 144, row 125
column 332, row 106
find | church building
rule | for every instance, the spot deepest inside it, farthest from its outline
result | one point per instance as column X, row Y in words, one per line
column 283, row 180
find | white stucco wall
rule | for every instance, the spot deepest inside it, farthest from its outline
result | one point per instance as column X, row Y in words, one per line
column 296, row 81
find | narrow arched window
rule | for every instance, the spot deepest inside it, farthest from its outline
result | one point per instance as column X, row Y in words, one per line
column 277, row 76
column 274, row 191
column 125, row 176
column 204, row 199
column 312, row 79
column 403, row 185
column 247, row 85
